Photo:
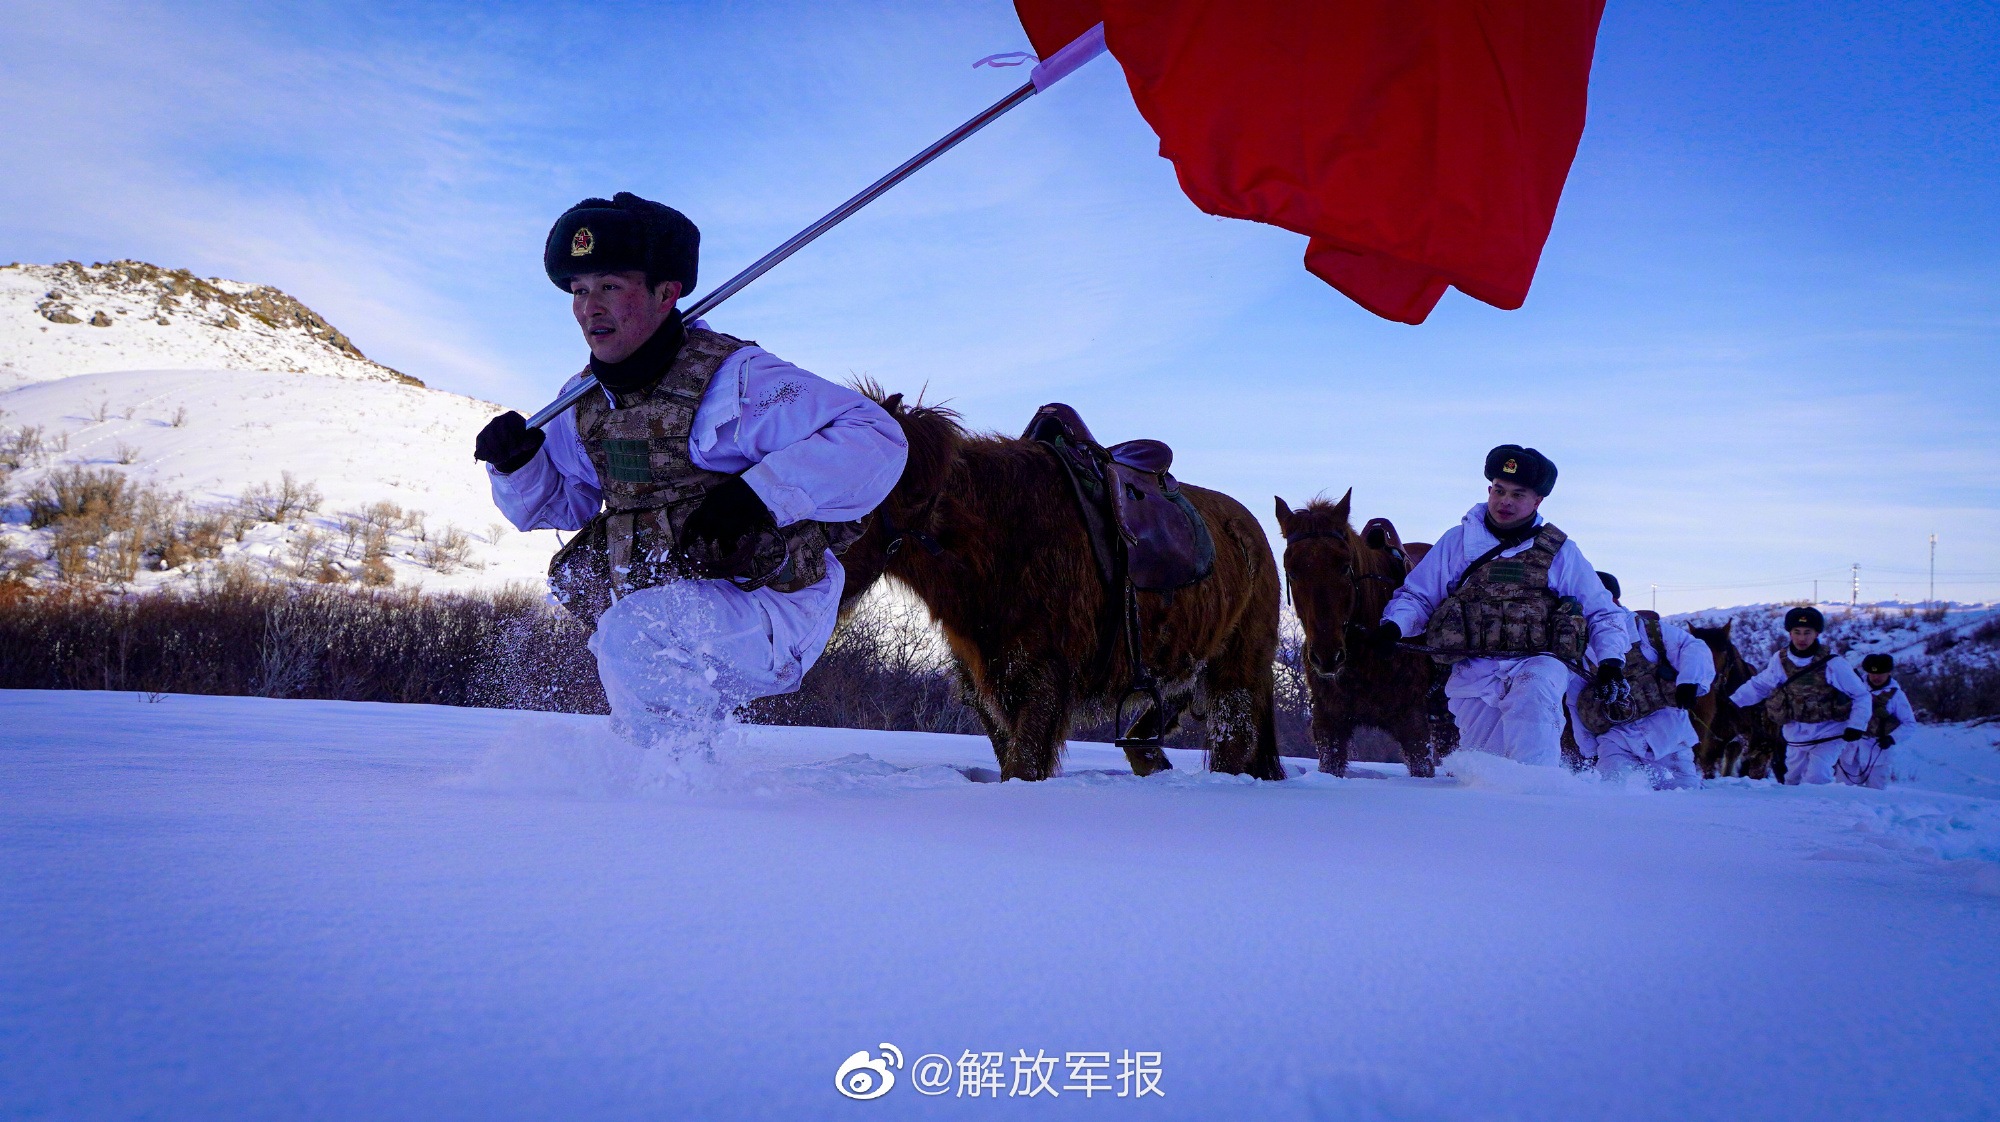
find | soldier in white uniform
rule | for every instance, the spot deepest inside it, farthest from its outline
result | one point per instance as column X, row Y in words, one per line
column 1665, row 669
column 1512, row 604
column 712, row 484
column 1812, row 695
column 1866, row 762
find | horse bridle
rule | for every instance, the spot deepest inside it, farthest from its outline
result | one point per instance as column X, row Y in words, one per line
column 896, row 538
column 1354, row 580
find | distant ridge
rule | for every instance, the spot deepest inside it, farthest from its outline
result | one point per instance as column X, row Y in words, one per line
column 69, row 318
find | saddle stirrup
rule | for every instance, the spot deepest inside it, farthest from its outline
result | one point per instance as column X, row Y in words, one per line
column 1143, row 682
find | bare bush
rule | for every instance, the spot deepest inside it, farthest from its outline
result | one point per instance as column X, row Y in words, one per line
column 127, row 453
column 282, row 503
column 495, row 531
column 23, row 448
column 78, row 492
column 180, row 418
column 447, row 551
column 305, row 549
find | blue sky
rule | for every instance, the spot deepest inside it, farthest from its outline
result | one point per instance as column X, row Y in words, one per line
column 1762, row 345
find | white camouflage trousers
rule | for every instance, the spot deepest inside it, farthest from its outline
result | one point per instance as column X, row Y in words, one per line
column 677, row 659
column 1864, row 763
column 1510, row 707
column 1806, row 762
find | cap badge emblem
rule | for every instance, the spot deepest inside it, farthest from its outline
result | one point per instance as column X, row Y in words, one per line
column 582, row 242
column 1510, row 467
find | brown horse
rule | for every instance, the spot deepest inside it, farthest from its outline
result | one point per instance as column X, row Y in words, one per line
column 1734, row 741
column 1338, row 579
column 985, row 530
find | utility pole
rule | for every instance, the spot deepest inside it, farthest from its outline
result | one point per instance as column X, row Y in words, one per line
column 1815, row 594
column 1854, row 597
column 1656, row 599
column 1933, row 597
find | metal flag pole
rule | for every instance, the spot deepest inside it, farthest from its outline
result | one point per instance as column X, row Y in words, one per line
column 1057, row 66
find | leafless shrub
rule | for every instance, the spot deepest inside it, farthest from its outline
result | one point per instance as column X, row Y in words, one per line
column 78, row 492
column 282, row 503
column 495, row 531
column 129, row 410
column 304, row 549
column 350, row 529
column 102, row 411
column 24, row 447
column 127, row 453
column 180, row 418
column 376, row 573
column 447, row 551
column 385, row 514
column 1935, row 613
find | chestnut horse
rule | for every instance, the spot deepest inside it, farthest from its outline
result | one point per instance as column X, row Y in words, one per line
column 985, row 531
column 1734, row 741
column 1340, row 579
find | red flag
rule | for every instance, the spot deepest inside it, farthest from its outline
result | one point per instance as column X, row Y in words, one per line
column 1417, row 143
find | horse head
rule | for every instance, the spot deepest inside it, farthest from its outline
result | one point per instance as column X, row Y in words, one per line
column 1325, row 564
column 908, row 517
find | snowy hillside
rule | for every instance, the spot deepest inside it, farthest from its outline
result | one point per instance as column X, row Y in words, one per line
column 69, row 318
column 212, row 435
column 244, row 908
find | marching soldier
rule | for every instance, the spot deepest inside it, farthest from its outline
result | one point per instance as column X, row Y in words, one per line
column 1865, row 762
column 712, row 483
column 1813, row 696
column 1510, row 603
column 1666, row 668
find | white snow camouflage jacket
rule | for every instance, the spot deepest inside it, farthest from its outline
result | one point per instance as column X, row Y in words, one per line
column 1411, row 607
column 809, row 448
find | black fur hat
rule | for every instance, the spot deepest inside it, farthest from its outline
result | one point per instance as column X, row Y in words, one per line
column 1610, row 584
column 1805, row 617
column 624, row 232
column 1878, row 664
column 1524, row 466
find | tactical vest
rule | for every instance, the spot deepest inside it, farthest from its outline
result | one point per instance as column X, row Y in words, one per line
column 1881, row 722
column 651, row 485
column 1506, row 609
column 1806, row 697
column 1652, row 685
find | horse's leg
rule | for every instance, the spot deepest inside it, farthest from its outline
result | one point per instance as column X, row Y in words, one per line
column 1242, row 720
column 1333, row 727
column 1146, row 761
column 1037, row 695
column 1413, row 735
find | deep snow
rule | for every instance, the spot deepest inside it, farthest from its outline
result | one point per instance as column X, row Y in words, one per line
column 234, row 907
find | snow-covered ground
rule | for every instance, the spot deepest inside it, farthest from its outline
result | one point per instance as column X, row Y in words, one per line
column 359, row 442
column 69, row 318
column 242, row 908
column 208, row 387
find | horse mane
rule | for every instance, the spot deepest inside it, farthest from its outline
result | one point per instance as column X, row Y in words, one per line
column 935, row 435
column 1322, row 515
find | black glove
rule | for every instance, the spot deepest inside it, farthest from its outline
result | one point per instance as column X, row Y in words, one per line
column 1851, row 735
column 508, row 443
column 1611, row 686
column 730, row 511
column 1886, row 741
column 1383, row 639
column 1684, row 695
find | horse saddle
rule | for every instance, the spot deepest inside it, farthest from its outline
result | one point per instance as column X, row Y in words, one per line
column 1380, row 533
column 1132, row 506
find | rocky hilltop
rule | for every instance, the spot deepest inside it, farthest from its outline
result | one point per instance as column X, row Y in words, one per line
column 69, row 318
